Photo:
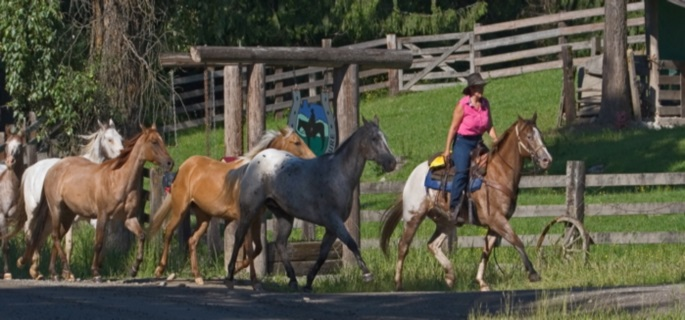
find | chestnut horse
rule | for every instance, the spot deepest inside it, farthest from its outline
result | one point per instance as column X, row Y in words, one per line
column 319, row 190
column 110, row 190
column 10, row 173
column 199, row 186
column 494, row 203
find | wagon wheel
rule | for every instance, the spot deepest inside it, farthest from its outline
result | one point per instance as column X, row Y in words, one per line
column 569, row 240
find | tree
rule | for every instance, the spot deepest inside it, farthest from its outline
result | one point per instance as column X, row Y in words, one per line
column 615, row 86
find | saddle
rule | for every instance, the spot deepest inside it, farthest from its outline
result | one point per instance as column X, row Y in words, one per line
column 441, row 173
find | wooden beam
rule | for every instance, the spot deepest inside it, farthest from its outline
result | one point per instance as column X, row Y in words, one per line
column 303, row 56
column 180, row 60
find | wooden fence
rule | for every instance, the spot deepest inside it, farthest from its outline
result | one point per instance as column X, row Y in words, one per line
column 563, row 181
column 496, row 50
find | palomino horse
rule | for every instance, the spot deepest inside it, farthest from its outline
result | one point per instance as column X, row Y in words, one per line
column 318, row 190
column 106, row 143
column 495, row 203
column 110, row 190
column 199, row 185
column 10, row 173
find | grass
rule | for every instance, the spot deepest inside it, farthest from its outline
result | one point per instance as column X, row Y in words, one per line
column 415, row 125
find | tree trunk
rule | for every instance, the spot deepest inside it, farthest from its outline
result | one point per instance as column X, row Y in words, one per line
column 615, row 88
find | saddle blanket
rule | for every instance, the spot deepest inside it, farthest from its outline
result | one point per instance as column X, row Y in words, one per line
column 432, row 183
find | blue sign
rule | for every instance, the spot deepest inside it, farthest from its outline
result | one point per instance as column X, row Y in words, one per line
column 314, row 123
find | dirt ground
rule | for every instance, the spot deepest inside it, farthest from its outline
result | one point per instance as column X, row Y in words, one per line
column 179, row 299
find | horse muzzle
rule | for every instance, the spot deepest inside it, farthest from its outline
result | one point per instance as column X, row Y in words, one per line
column 388, row 163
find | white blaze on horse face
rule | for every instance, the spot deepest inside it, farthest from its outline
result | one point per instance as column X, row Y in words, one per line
column 542, row 149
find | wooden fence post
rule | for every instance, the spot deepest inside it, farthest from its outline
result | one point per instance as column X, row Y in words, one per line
column 569, row 84
column 256, row 109
column 475, row 54
column 393, row 74
column 233, row 138
column 575, row 189
column 346, row 92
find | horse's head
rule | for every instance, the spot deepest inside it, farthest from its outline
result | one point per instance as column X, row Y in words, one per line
column 110, row 140
column 375, row 145
column 13, row 148
column 290, row 141
column 154, row 149
column 530, row 142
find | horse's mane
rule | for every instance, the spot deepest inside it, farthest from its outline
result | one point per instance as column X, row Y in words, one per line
column 266, row 140
column 363, row 128
column 89, row 150
column 119, row 161
column 497, row 145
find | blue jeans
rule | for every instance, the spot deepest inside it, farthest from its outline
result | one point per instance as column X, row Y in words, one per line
column 461, row 157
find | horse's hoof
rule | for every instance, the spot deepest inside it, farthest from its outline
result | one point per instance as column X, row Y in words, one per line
column 20, row 262
column 449, row 283
column 38, row 277
column 133, row 273
column 199, row 281
column 257, row 287
column 293, row 285
column 229, row 284
column 484, row 288
column 55, row 278
column 97, row 279
column 7, row 276
column 171, row 277
column 534, row 277
column 368, row 277
column 307, row 289
column 159, row 271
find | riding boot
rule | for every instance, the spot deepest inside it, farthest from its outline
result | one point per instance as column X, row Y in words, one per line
column 454, row 214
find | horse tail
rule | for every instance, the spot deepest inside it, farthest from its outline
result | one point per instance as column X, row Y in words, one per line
column 20, row 217
column 35, row 229
column 391, row 218
column 234, row 176
column 161, row 215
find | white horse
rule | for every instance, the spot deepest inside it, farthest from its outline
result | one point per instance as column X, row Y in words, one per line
column 104, row 144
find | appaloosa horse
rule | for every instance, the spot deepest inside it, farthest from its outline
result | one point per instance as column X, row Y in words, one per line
column 318, row 190
column 494, row 203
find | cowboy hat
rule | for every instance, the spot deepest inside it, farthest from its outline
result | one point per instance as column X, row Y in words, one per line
column 473, row 79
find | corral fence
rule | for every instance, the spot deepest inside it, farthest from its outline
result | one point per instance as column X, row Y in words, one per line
column 496, row 50
column 575, row 182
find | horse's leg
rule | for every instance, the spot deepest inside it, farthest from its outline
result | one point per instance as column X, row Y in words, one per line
column 285, row 227
column 408, row 233
column 202, row 224
column 326, row 245
column 35, row 259
column 100, row 227
column 502, row 227
column 61, row 222
column 133, row 225
column 240, row 232
column 338, row 227
column 5, row 254
column 435, row 247
column 490, row 240
column 179, row 208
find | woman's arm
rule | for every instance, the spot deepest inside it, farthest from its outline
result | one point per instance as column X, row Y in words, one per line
column 457, row 115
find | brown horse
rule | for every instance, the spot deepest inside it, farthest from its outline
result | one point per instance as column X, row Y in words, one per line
column 494, row 203
column 10, row 173
column 110, row 190
column 199, row 186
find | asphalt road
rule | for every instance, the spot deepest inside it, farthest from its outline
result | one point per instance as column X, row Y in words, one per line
column 28, row 299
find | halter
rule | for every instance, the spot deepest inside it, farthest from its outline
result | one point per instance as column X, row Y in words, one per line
column 533, row 153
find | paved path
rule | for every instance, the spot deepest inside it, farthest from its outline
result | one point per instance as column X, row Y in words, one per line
column 27, row 299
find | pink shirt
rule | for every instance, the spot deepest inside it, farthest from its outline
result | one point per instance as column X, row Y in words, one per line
column 475, row 122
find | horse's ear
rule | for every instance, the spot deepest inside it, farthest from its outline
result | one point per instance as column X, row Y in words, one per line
column 520, row 119
column 535, row 116
column 102, row 126
column 111, row 123
column 364, row 121
column 154, row 126
column 142, row 127
column 375, row 119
